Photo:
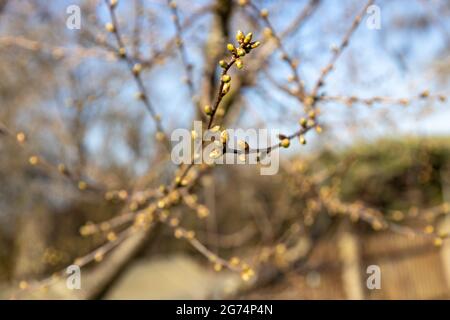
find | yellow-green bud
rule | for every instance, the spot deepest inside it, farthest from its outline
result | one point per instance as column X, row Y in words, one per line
column 264, row 13
column 223, row 63
column 248, row 38
column 224, row 136
column 226, row 78
column 240, row 36
column 243, row 145
column 226, row 88
column 256, row 44
column 303, row 122
column 230, row 47
column 122, row 52
column 285, row 143
column 208, row 110
column 302, row 139
column 309, row 101
column 140, row 96
column 215, row 129
column 137, row 68
column 239, row 63
column 109, row 27
column 240, row 52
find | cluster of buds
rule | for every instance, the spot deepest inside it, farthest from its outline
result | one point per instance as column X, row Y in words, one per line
column 245, row 46
column 180, row 233
column 171, row 199
column 247, row 273
column 121, row 195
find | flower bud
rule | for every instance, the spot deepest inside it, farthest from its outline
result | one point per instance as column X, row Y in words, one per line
column 208, row 110
column 82, row 185
column 310, row 123
column 285, row 143
column 247, row 274
column 240, row 52
column 223, row 63
column 160, row 136
column 240, row 36
column 62, row 168
column 226, row 78
column 425, row 94
column 224, row 136
column 137, row 68
column 190, row 235
column 122, row 52
column 33, row 160
column 109, row 27
column 231, row 47
column 202, row 211
column 243, row 145
column 264, row 13
column 303, row 122
column 111, row 236
column 20, row 137
column 309, row 101
column 174, row 222
column 438, row 242
column 248, row 38
column 256, row 44
column 302, row 139
column 178, row 233
column 239, row 63
column 226, row 88
column 234, row 261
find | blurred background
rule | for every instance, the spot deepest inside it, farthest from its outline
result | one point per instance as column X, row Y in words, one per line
column 82, row 166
